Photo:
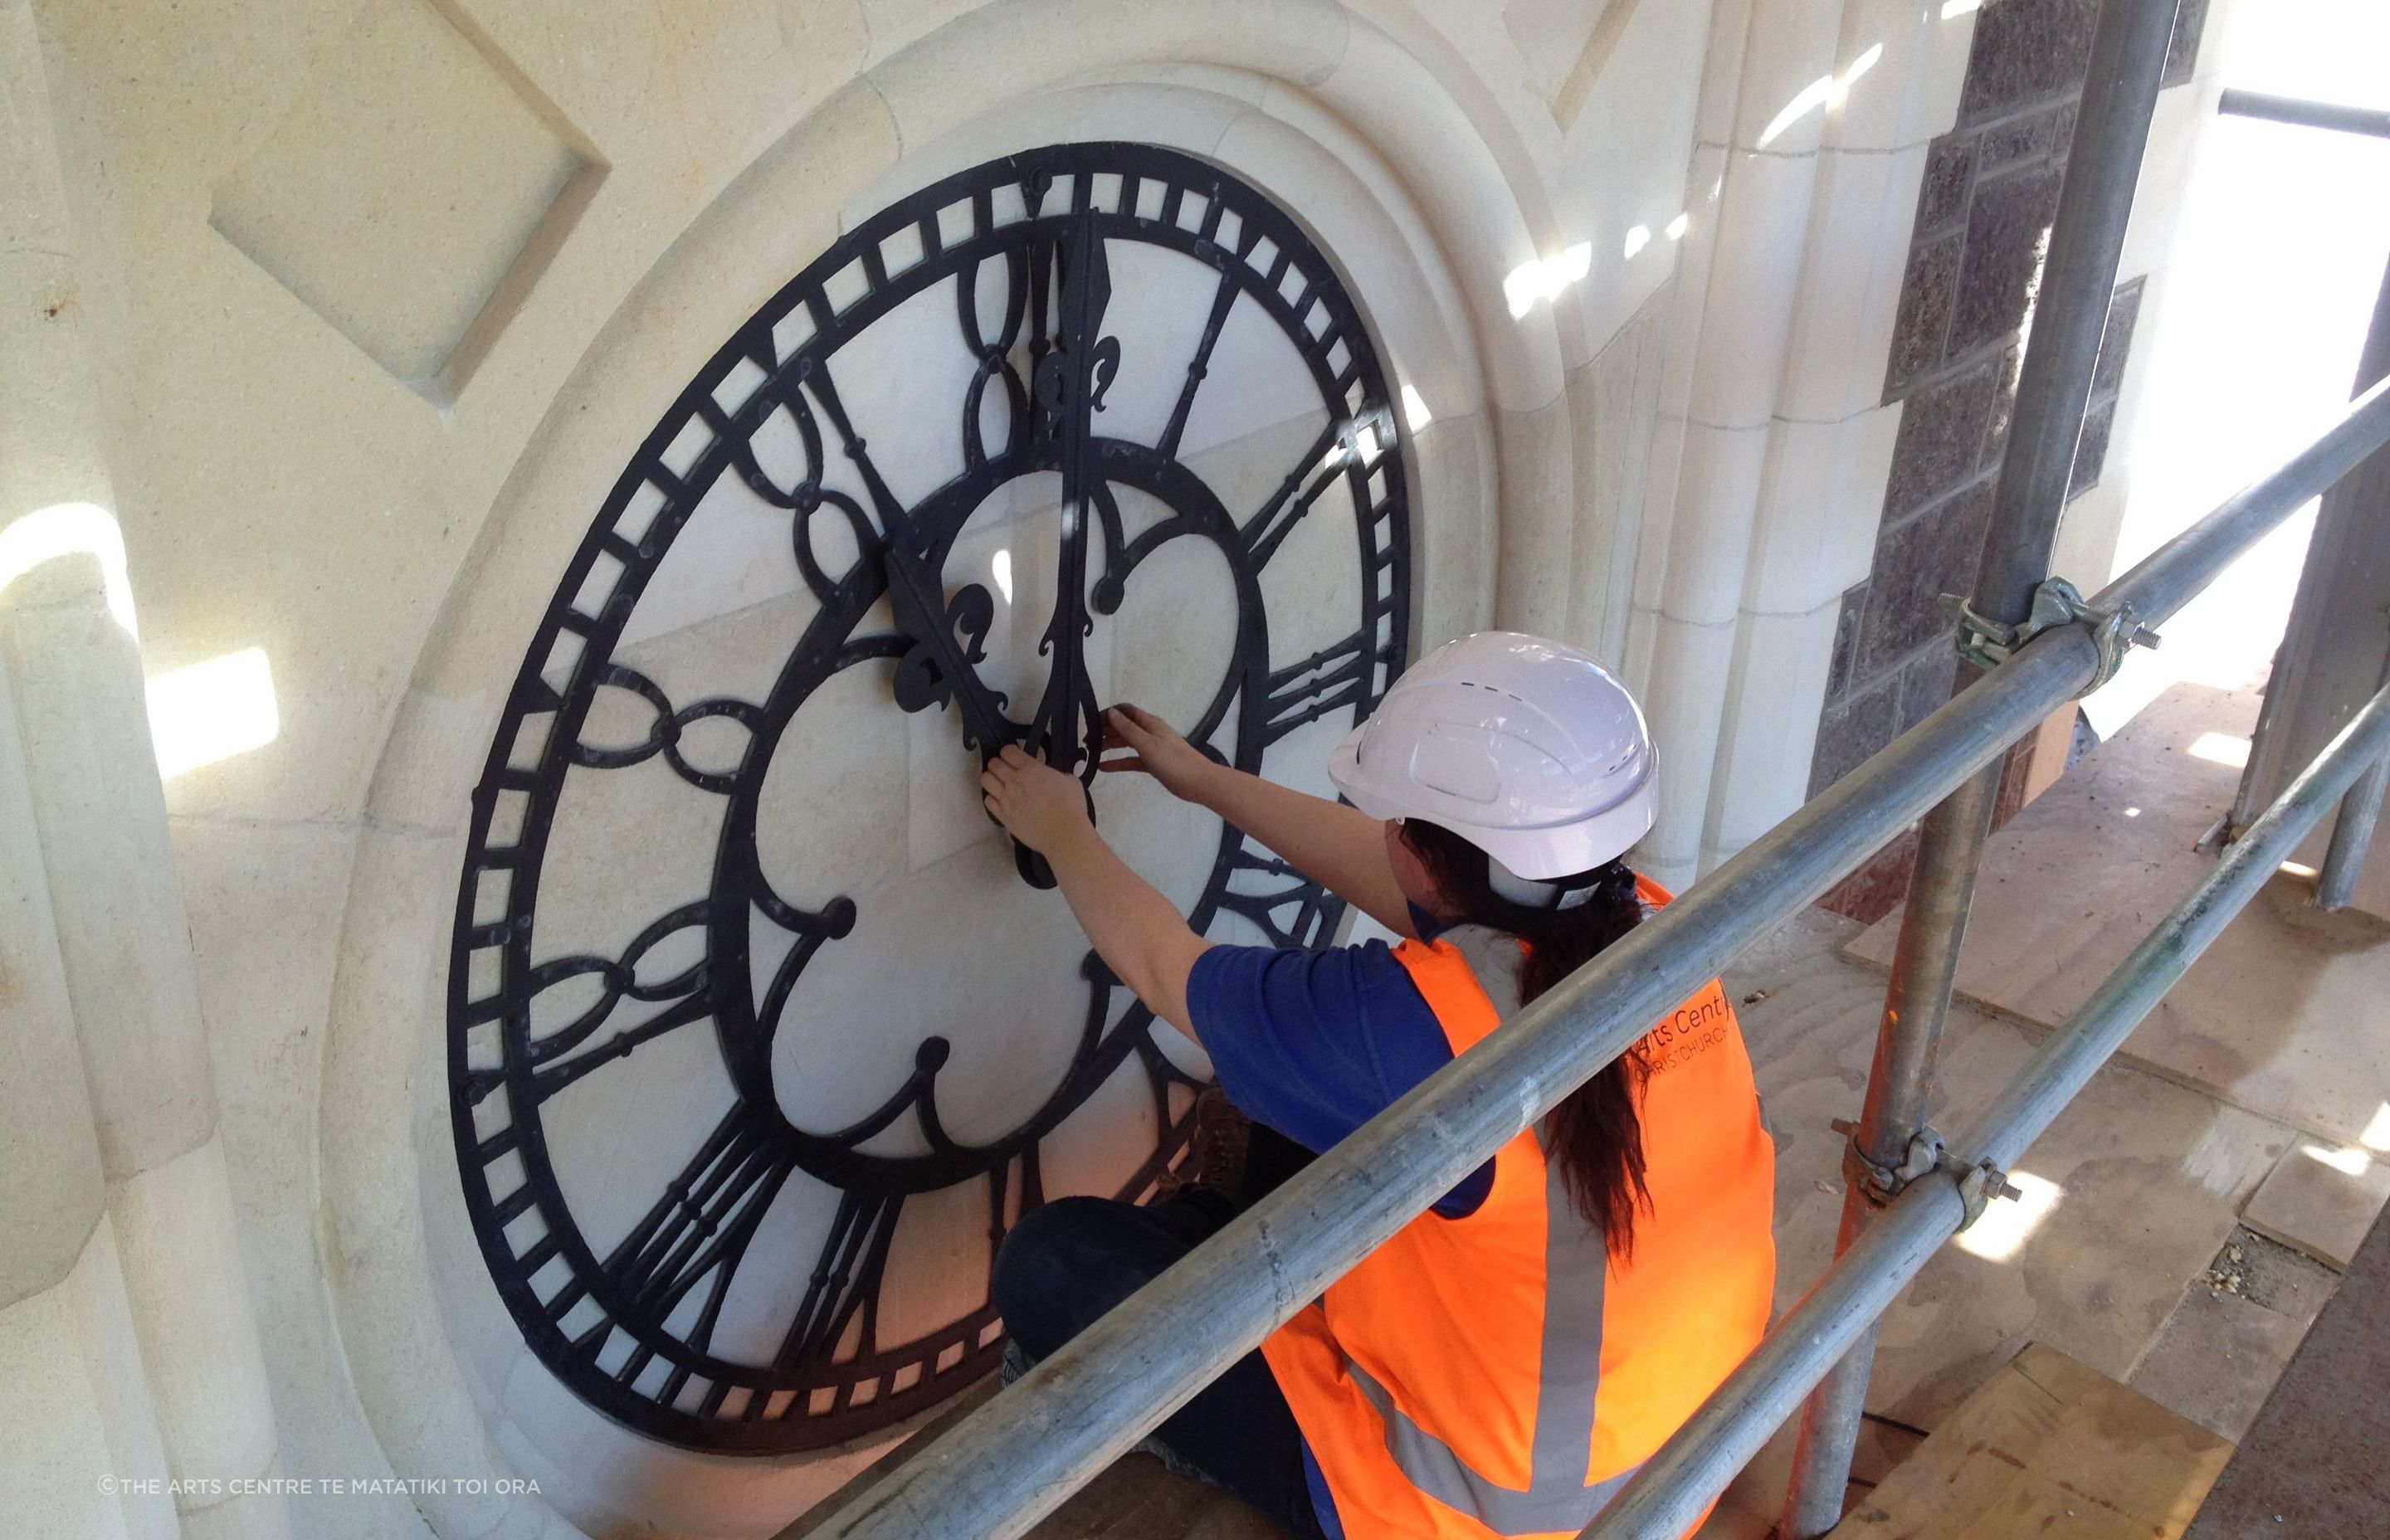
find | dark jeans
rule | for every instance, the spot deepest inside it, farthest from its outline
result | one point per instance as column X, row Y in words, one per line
column 1068, row 1262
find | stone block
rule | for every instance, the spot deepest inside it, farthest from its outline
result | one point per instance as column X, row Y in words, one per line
column 1845, row 309
column 1755, row 278
column 1995, row 436
column 1819, row 510
column 1723, row 474
column 983, row 59
column 1721, row 70
column 412, row 193
column 1950, row 176
column 1454, row 527
column 1614, row 405
column 1933, row 553
column 1538, row 516
column 251, row 1516
column 2025, row 51
column 122, row 937
column 2030, row 136
column 1929, row 294
column 54, row 1430
column 1686, row 698
column 1790, row 50
column 1664, row 478
column 112, row 1352
column 2216, row 1358
column 2322, row 1200
column 1768, row 738
column 2116, row 337
column 2008, row 229
column 2092, row 448
column 1925, row 682
column 2182, row 48
column 1849, row 733
column 2283, row 1278
column 200, row 1351
column 1846, row 640
column 1941, row 440
column 1938, row 77
column 1892, row 103
column 52, row 1196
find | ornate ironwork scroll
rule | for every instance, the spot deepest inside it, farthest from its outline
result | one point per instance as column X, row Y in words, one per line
column 632, row 1330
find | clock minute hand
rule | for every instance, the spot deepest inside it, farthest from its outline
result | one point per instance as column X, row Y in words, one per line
column 1071, row 387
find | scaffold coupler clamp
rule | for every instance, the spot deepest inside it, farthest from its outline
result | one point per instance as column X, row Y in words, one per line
column 1881, row 1184
column 1978, row 1183
column 1987, row 644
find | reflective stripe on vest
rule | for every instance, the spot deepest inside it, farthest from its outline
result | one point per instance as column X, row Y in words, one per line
column 1557, row 1497
column 1461, row 1383
column 1569, row 1371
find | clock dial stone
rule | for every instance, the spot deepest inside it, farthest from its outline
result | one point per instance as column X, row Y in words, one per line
column 761, row 1035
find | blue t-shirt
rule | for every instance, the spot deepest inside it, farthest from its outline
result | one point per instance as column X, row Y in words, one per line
column 1316, row 1044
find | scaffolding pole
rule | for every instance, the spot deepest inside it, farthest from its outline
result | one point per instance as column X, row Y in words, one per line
column 1670, row 1491
column 2128, row 50
column 1016, row 1459
column 2305, row 114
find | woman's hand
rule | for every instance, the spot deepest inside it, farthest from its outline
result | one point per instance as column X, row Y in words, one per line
column 1155, row 748
column 1037, row 804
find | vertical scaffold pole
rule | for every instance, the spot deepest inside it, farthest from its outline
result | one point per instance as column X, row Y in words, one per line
column 2128, row 51
column 2352, row 831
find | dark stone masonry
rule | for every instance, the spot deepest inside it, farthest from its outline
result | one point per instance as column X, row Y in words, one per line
column 1990, row 191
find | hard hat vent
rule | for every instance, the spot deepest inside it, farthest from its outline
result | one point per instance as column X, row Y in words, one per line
column 1552, row 775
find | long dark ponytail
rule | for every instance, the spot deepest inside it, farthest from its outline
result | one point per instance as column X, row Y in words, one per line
column 1594, row 1135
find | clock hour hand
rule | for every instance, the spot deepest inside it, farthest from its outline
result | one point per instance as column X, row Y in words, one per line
column 949, row 637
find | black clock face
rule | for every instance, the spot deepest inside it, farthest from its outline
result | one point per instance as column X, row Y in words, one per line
column 761, row 1035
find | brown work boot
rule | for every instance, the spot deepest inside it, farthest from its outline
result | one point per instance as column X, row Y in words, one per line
column 1216, row 1153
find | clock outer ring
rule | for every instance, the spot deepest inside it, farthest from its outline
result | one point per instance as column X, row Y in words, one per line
column 513, row 1269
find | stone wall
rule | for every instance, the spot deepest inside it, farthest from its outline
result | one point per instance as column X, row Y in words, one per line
column 381, row 300
column 1989, row 193
column 383, row 297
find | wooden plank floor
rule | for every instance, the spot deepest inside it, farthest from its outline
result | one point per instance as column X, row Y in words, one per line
column 2050, row 1449
column 2279, row 1018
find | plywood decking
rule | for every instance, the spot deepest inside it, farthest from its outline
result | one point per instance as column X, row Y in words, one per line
column 2050, row 1449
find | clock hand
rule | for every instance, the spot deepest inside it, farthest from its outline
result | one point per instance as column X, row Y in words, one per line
column 948, row 636
column 938, row 668
column 1071, row 387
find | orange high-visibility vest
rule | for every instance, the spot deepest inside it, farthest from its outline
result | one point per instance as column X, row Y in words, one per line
column 1499, row 1374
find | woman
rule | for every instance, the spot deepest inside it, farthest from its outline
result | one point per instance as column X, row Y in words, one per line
column 1502, row 1363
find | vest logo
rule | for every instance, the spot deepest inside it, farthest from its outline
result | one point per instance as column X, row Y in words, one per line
column 1693, row 1028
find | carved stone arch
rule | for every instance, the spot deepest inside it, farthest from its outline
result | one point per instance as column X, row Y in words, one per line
column 440, row 1372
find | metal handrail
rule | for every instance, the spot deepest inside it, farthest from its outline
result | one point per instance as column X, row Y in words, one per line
column 2123, row 72
column 1018, row 1457
column 1669, row 1492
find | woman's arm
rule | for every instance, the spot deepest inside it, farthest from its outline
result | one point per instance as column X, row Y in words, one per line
column 1142, row 938
column 1341, row 848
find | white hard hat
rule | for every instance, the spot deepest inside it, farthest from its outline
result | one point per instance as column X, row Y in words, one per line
column 1528, row 749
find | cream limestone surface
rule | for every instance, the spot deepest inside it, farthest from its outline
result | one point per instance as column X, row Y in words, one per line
column 384, row 299
column 44, row 1107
